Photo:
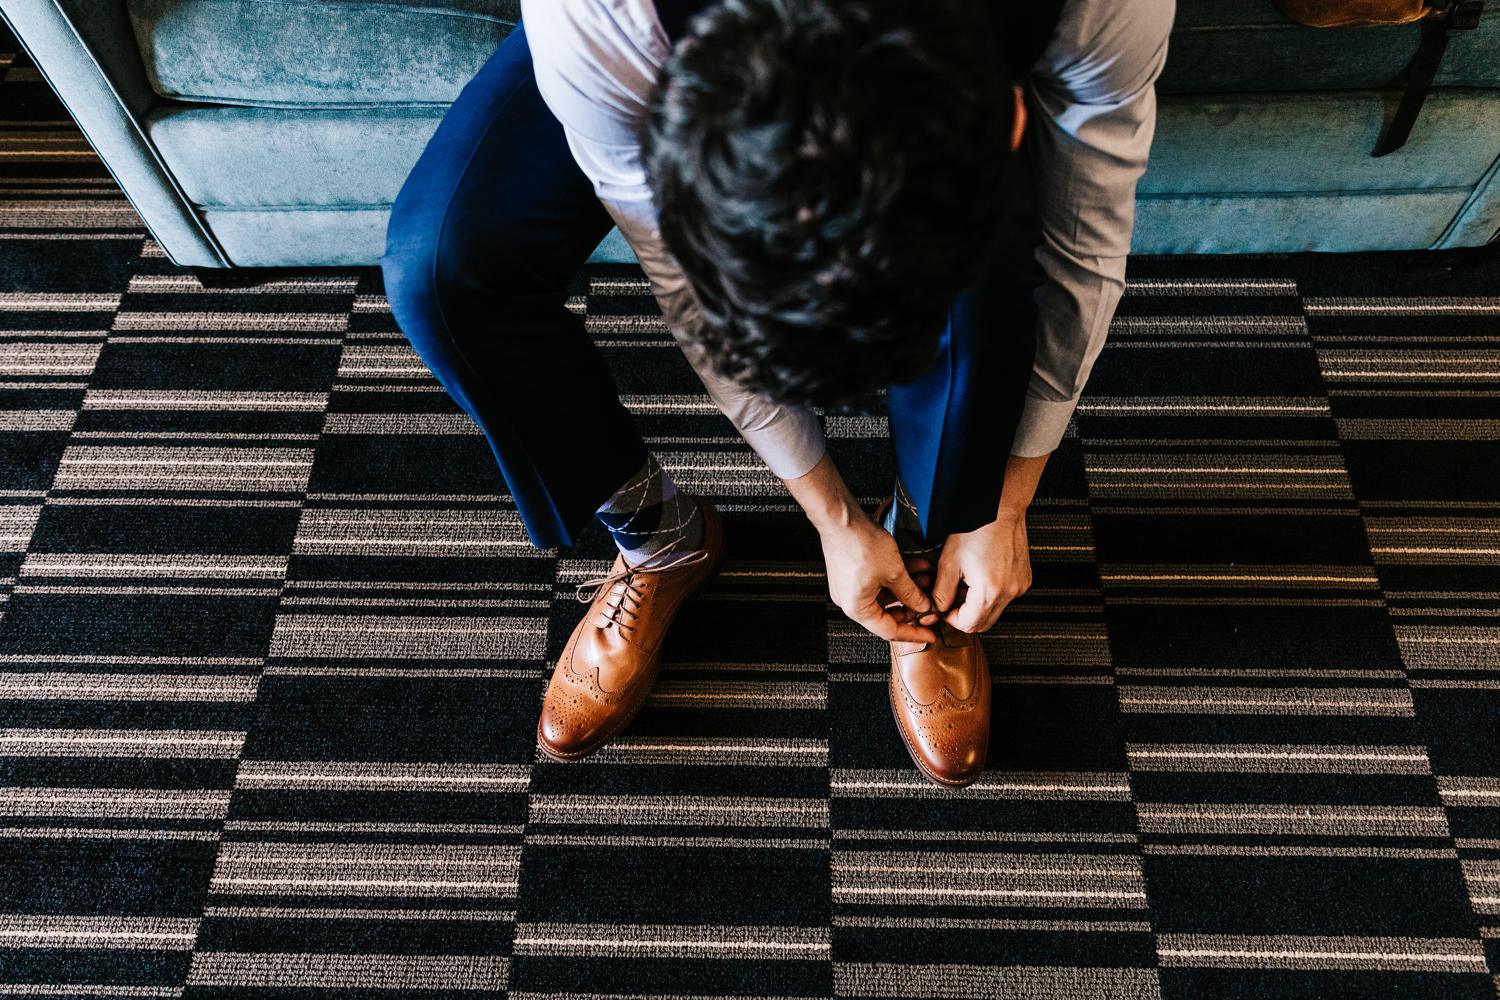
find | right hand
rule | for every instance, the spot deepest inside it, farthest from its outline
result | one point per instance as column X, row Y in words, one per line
column 868, row 579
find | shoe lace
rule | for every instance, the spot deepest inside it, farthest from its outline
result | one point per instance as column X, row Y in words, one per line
column 622, row 607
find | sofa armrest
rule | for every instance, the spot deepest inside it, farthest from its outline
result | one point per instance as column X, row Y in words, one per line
column 86, row 51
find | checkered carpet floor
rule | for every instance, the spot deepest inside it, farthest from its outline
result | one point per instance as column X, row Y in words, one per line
column 272, row 646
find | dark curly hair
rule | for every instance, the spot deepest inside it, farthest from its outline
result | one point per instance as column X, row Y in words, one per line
column 828, row 175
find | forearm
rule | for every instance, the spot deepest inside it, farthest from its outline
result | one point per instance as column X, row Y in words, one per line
column 827, row 502
column 1022, row 475
column 824, row 497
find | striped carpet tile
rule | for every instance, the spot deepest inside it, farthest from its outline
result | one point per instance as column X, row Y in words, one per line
column 273, row 641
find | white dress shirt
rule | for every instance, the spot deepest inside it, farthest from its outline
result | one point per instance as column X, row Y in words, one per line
column 1094, row 102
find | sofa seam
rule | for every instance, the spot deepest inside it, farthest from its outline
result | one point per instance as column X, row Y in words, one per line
column 219, row 102
column 289, row 209
column 398, row 9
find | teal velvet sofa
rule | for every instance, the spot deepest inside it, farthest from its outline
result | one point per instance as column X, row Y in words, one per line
column 278, row 132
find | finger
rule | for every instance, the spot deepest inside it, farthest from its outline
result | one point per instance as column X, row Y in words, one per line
column 946, row 588
column 903, row 616
column 909, row 594
column 915, row 633
column 877, row 621
column 906, row 616
column 927, row 618
column 886, row 625
column 931, row 617
column 970, row 615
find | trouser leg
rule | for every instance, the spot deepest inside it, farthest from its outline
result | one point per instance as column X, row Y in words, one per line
column 953, row 426
column 485, row 237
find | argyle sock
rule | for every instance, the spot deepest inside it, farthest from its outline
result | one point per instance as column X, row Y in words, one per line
column 905, row 524
column 648, row 515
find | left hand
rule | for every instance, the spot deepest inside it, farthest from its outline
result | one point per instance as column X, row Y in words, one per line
column 992, row 563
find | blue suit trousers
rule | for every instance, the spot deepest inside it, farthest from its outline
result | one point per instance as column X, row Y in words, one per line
column 488, row 232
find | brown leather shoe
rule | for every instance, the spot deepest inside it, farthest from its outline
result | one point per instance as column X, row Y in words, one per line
column 940, row 698
column 609, row 664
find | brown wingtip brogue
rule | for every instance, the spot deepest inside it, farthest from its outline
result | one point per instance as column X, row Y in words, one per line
column 940, row 697
column 605, row 672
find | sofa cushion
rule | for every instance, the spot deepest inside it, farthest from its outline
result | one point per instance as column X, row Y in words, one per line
column 1251, row 173
column 317, row 53
column 1274, row 223
column 1220, row 46
column 1317, row 143
column 241, row 157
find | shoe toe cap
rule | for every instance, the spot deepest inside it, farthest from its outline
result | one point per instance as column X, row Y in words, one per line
column 957, row 761
column 566, row 728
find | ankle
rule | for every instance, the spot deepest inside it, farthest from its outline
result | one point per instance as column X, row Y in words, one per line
column 648, row 515
column 904, row 523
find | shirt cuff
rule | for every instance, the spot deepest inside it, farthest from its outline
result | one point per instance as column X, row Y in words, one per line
column 791, row 444
column 1043, row 424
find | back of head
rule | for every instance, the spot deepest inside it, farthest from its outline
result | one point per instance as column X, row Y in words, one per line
column 829, row 174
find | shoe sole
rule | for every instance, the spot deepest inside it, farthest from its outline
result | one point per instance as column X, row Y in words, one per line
column 625, row 720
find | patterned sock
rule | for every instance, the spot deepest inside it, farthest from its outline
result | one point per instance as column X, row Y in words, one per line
column 648, row 515
column 905, row 524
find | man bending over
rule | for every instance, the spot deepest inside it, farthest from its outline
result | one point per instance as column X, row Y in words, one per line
column 830, row 198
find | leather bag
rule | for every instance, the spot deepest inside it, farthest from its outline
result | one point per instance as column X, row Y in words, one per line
column 1442, row 18
column 1356, row 13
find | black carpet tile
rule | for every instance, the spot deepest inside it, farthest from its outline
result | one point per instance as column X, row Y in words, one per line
column 272, row 645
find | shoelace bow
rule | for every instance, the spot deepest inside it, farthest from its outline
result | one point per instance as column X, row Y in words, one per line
column 624, row 589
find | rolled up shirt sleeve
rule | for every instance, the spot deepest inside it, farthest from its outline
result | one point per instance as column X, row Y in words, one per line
column 596, row 62
column 1093, row 102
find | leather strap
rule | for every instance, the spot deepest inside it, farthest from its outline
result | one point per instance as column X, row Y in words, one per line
column 1461, row 15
